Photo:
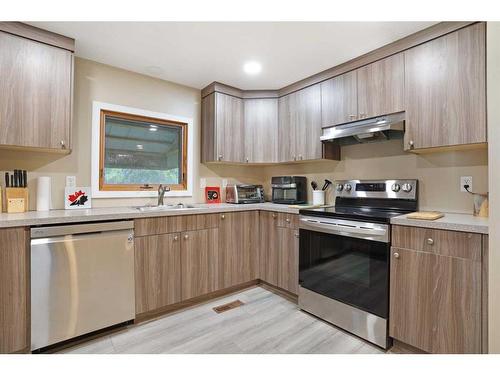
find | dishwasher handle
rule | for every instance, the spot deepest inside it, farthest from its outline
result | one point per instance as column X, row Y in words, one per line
column 63, row 230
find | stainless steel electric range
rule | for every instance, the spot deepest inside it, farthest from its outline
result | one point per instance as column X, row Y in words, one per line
column 344, row 255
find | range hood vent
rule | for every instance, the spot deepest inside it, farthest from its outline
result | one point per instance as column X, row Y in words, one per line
column 365, row 131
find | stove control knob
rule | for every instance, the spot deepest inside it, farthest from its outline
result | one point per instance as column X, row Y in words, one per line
column 406, row 188
column 396, row 187
column 340, row 187
column 347, row 187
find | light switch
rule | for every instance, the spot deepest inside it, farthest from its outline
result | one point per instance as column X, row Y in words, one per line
column 71, row 181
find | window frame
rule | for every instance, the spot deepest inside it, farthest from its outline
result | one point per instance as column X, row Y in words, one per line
column 155, row 121
column 101, row 190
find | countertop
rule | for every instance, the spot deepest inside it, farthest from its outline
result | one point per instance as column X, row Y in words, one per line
column 33, row 218
column 450, row 221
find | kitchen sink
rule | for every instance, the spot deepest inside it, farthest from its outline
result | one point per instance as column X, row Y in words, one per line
column 167, row 207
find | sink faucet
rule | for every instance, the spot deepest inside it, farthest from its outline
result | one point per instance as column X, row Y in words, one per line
column 161, row 192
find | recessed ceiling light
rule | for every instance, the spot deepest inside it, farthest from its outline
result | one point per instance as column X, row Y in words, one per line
column 252, row 67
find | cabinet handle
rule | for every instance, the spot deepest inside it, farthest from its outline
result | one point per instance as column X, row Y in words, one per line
column 222, row 216
column 352, row 117
column 220, row 157
column 396, row 255
column 294, row 158
column 246, row 160
column 287, row 220
column 297, row 234
column 186, row 236
column 430, row 241
column 362, row 115
column 63, row 144
column 176, row 238
column 300, row 157
column 274, row 216
column 411, row 144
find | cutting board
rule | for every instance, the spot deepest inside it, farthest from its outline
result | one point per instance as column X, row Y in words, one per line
column 425, row 215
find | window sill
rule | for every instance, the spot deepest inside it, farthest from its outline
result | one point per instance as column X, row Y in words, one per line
column 139, row 194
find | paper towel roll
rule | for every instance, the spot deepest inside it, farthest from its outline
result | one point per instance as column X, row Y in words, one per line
column 43, row 194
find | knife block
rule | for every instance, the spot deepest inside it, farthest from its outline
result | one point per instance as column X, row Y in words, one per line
column 16, row 199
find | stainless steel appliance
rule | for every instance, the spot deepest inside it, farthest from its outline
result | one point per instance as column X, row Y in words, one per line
column 366, row 130
column 344, row 255
column 244, row 194
column 82, row 279
column 289, row 189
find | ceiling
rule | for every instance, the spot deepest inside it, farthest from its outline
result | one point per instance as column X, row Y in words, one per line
column 198, row 53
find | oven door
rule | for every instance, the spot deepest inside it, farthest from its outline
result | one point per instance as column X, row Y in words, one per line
column 347, row 261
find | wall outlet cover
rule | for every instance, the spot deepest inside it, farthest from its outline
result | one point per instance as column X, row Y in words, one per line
column 70, row 181
column 203, row 183
column 465, row 180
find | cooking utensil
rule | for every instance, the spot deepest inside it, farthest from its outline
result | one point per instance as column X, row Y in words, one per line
column 7, row 180
column 327, row 183
column 25, row 178
column 314, row 185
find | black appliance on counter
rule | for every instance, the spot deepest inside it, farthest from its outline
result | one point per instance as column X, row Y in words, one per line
column 289, row 189
column 344, row 254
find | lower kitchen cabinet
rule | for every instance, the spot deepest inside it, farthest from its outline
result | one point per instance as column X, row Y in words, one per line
column 279, row 250
column 436, row 290
column 199, row 262
column 14, row 290
column 288, row 259
column 157, row 271
column 238, row 248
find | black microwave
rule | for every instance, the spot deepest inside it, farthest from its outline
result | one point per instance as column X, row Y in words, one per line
column 289, row 189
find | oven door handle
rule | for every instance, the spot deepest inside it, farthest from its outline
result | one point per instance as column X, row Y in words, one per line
column 375, row 234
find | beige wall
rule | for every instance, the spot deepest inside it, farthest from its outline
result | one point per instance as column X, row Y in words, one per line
column 94, row 81
column 438, row 173
column 493, row 84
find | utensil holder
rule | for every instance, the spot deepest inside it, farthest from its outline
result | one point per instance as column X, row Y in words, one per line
column 16, row 200
column 318, row 197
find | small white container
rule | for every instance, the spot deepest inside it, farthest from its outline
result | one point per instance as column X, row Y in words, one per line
column 318, row 197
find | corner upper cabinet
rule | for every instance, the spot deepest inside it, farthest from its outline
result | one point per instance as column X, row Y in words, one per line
column 261, row 130
column 222, row 128
column 36, row 80
column 380, row 87
column 445, row 90
column 339, row 99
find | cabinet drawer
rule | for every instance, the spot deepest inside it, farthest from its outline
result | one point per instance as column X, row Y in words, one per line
column 287, row 220
column 443, row 242
column 172, row 224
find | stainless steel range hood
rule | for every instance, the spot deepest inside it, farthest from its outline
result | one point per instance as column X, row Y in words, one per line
column 364, row 131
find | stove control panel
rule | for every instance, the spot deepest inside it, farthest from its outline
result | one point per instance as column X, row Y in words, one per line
column 386, row 189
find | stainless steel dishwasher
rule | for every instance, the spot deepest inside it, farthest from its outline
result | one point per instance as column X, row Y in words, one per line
column 82, row 279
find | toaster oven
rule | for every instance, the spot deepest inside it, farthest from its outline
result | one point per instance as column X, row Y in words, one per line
column 244, row 194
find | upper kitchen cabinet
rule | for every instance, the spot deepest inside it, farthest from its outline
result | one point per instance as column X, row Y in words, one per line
column 222, row 128
column 381, row 87
column 300, row 125
column 373, row 90
column 261, row 130
column 36, row 79
column 445, row 90
column 339, row 100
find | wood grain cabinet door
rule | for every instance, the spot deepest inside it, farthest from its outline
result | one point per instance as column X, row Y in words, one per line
column 157, row 271
column 229, row 130
column 435, row 301
column 288, row 259
column 445, row 90
column 268, row 248
column 339, row 100
column 308, row 123
column 14, row 290
column 381, row 87
column 287, row 118
column 261, row 130
column 238, row 248
column 199, row 262
column 208, row 131
column 36, row 85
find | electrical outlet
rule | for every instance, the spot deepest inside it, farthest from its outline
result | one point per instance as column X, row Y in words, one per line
column 203, row 183
column 71, row 181
column 465, row 180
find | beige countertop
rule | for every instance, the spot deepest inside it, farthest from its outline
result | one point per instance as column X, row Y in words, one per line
column 33, row 218
column 450, row 221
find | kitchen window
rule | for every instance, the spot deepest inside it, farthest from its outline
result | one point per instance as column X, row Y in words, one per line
column 138, row 151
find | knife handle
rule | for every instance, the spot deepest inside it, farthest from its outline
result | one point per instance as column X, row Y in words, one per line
column 25, row 179
column 7, row 180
